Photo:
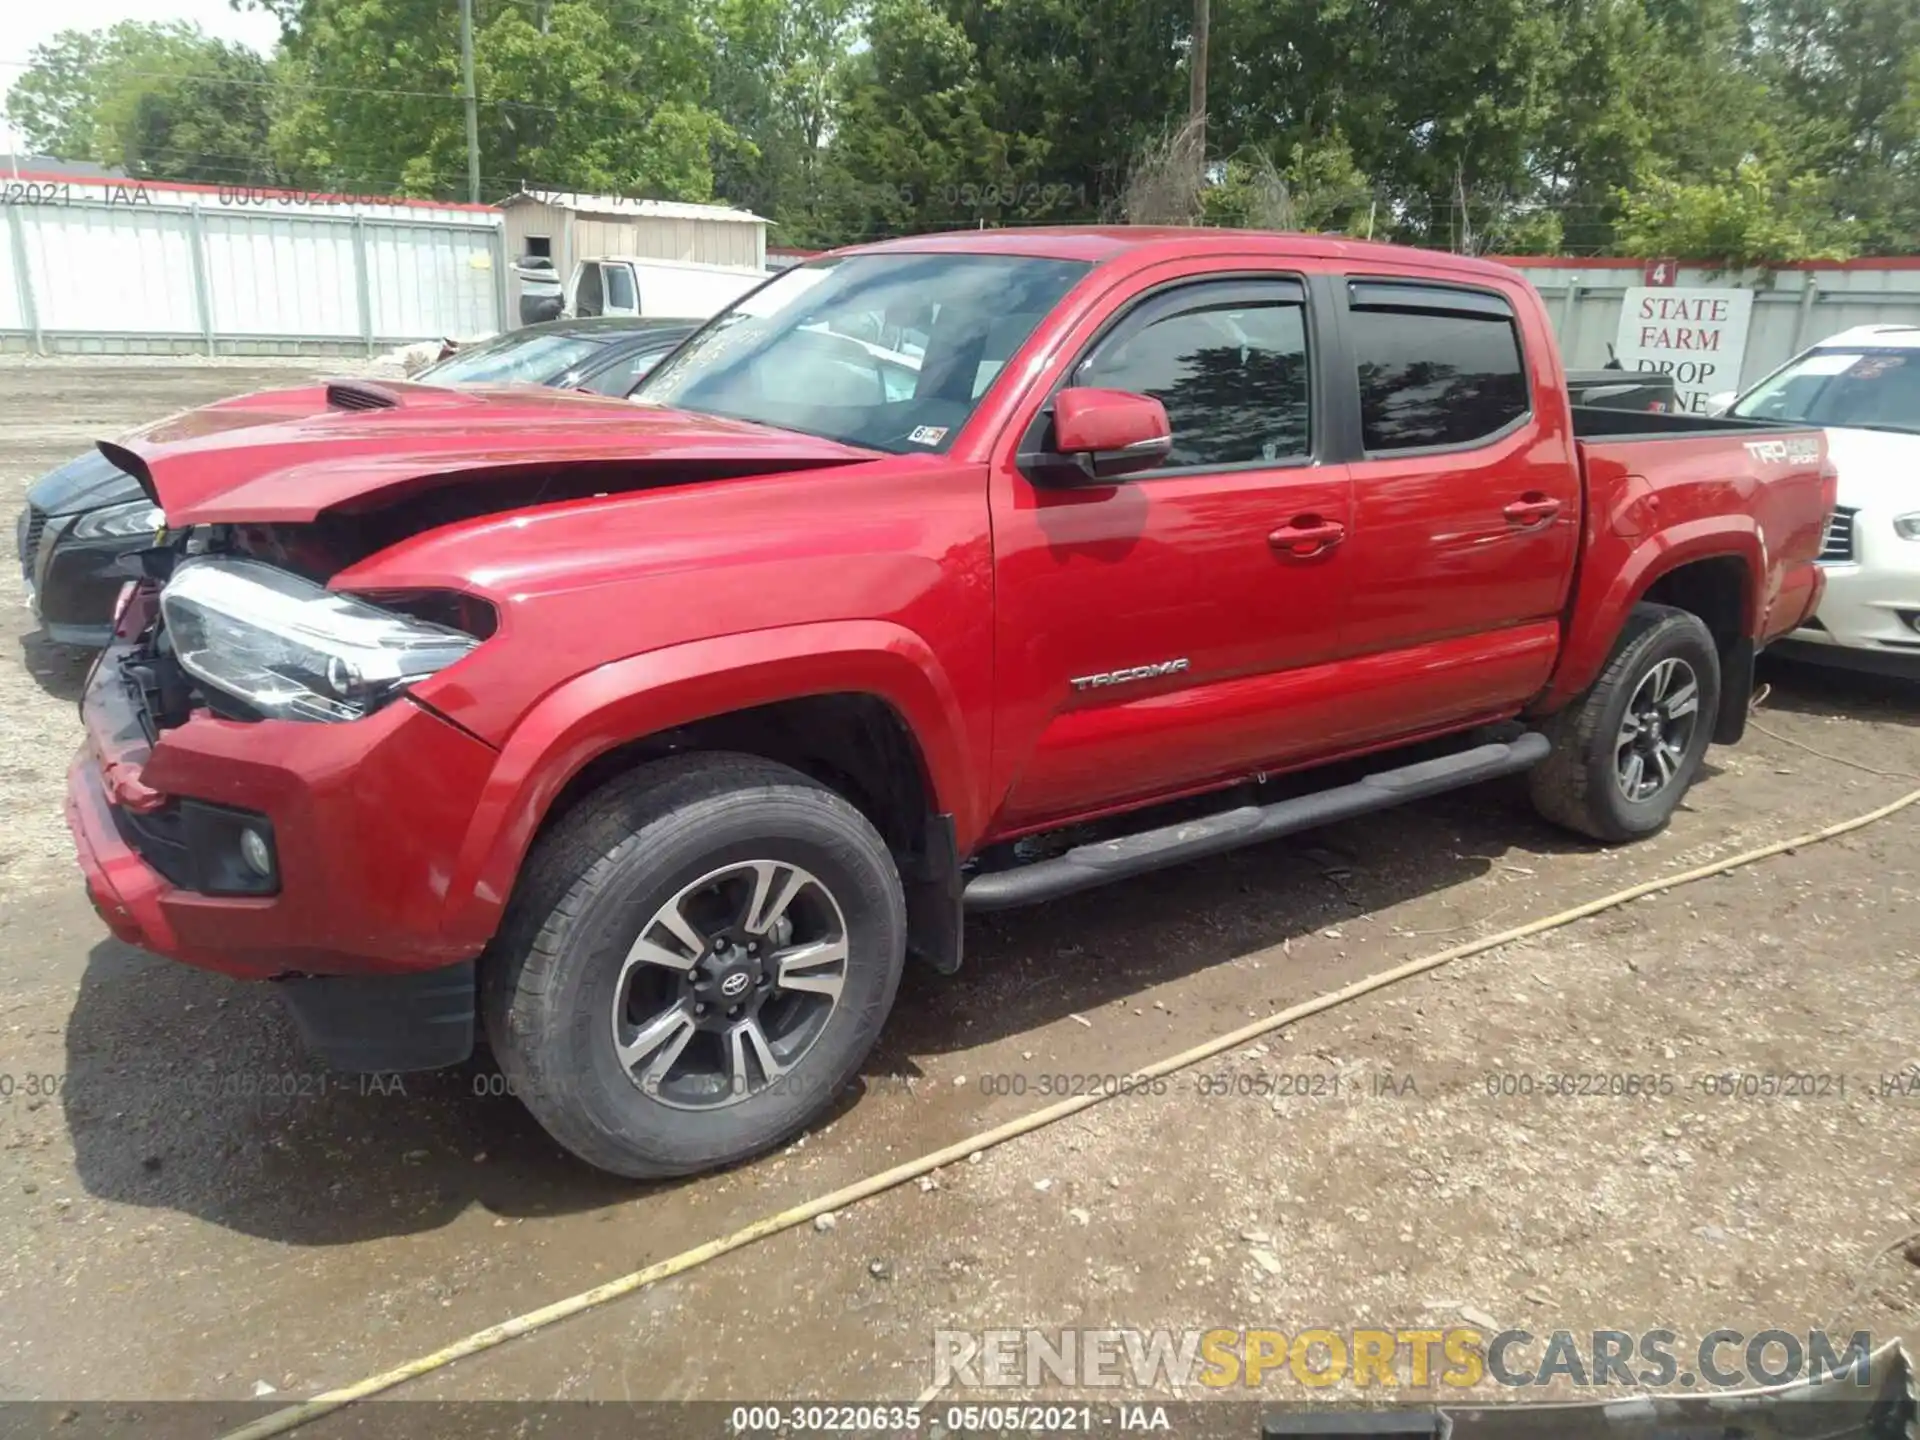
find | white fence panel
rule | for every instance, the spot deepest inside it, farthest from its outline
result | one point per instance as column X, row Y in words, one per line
column 115, row 266
column 12, row 315
column 108, row 268
column 438, row 281
column 271, row 275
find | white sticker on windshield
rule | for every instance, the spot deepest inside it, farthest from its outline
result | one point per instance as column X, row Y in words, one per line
column 1828, row 362
column 927, row 435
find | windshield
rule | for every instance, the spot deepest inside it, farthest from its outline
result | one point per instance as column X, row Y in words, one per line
column 891, row 352
column 1866, row 389
column 522, row 358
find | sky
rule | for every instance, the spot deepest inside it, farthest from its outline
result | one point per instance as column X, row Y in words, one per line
column 29, row 25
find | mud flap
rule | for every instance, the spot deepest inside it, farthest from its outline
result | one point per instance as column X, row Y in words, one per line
column 935, row 932
column 1736, row 692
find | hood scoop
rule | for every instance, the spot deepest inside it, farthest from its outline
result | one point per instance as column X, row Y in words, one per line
column 358, row 395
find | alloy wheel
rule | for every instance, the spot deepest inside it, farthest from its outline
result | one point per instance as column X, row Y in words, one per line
column 729, row 984
column 1657, row 733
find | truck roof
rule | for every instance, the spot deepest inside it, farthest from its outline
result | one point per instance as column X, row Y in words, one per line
column 1098, row 244
column 657, row 262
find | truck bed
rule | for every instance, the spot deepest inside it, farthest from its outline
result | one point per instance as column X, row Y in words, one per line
column 1600, row 422
column 1622, row 389
column 1755, row 494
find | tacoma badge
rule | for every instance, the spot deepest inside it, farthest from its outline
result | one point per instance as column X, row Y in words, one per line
column 1137, row 672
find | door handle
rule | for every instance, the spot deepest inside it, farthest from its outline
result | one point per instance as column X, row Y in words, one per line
column 1307, row 535
column 1531, row 509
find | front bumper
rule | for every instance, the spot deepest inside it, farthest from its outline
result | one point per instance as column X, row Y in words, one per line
column 73, row 584
column 1869, row 617
column 368, row 819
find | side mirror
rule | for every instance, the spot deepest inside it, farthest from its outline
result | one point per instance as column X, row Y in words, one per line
column 1103, row 435
column 1720, row 403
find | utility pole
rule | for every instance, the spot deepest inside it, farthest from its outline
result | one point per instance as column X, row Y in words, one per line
column 1197, row 79
column 473, row 102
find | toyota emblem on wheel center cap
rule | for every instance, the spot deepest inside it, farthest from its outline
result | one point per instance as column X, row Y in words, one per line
column 735, row 984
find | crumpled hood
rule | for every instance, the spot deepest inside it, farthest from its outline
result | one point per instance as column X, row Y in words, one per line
column 370, row 442
column 91, row 480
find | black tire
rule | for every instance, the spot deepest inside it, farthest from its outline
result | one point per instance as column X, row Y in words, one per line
column 1578, row 785
column 595, row 880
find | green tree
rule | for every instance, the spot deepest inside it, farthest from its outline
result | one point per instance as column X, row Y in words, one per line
column 1076, row 88
column 1724, row 129
column 1761, row 216
column 1844, row 76
column 1319, row 188
column 912, row 139
column 776, row 80
column 159, row 100
column 603, row 95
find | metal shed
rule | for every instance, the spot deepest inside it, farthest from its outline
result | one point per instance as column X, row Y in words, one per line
column 567, row 227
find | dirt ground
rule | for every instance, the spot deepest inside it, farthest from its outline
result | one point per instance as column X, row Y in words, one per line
column 165, row 1236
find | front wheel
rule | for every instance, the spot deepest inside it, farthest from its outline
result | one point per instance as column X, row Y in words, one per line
column 696, row 962
column 1625, row 752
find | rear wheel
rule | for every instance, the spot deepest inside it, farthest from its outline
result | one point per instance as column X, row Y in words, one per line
column 695, row 963
column 1625, row 753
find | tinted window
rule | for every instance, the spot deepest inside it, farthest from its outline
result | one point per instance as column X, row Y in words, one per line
column 1233, row 377
column 1434, row 379
column 620, row 289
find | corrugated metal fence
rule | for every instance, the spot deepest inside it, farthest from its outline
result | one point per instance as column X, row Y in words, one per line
column 121, row 267
column 129, row 268
column 1792, row 307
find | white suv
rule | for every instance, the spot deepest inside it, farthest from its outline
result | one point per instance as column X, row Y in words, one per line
column 1863, row 387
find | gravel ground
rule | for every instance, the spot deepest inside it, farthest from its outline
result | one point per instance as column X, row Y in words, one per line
column 182, row 1240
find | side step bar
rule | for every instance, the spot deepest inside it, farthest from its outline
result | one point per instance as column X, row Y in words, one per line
column 1086, row 866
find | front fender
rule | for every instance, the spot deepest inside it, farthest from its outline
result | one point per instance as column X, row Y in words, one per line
column 627, row 700
column 1618, row 570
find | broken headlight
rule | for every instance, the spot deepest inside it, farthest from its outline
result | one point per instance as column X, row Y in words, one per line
column 294, row 650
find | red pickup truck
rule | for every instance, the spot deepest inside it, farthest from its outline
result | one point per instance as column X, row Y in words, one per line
column 656, row 737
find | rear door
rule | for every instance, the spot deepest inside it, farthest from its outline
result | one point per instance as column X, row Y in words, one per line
column 1466, row 498
column 1145, row 628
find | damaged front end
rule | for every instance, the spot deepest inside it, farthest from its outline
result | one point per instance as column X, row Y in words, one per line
column 238, row 620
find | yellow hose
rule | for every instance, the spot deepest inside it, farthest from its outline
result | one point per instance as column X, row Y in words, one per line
column 282, row 1421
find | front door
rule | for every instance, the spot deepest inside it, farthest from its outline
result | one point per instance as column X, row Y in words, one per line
column 1147, row 629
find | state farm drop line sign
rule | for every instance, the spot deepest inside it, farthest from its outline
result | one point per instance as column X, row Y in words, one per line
column 1695, row 334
